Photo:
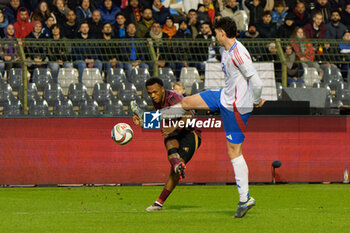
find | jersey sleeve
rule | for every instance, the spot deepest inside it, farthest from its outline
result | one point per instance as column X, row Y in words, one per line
column 242, row 60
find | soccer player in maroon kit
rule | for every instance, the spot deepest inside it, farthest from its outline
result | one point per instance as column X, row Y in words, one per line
column 181, row 143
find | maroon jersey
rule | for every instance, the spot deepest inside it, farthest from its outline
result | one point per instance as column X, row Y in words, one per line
column 172, row 98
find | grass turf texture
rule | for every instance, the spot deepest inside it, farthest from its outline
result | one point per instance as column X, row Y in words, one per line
column 280, row 208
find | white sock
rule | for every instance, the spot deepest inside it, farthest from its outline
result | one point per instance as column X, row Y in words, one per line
column 241, row 175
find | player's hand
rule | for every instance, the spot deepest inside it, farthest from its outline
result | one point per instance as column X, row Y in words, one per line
column 260, row 104
column 135, row 120
column 167, row 131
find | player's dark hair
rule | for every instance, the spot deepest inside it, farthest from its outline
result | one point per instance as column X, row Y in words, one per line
column 228, row 25
column 335, row 10
column 153, row 81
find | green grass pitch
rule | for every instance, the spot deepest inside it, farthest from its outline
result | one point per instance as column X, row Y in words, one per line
column 279, row 208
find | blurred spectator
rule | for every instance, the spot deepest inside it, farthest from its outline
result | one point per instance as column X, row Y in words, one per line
column 95, row 24
column 345, row 49
column 37, row 31
column 11, row 11
column 209, row 8
column 85, row 53
column 70, row 27
column 46, row 27
column 202, row 14
column 301, row 15
column 193, row 23
column 31, row 5
column 3, row 24
column 36, row 50
column 325, row 8
column 133, row 12
column 108, row 12
column 279, row 13
column 256, row 10
column 252, row 33
column 287, row 28
column 303, row 48
column 231, row 10
column 60, row 10
column 345, row 16
column 59, row 55
column 134, row 52
column 316, row 29
column 294, row 67
column 179, row 88
column 110, row 53
column 42, row 13
column 335, row 29
column 83, row 11
column 145, row 24
column 183, row 31
column 202, row 48
column 160, row 13
column 267, row 29
column 169, row 28
column 23, row 27
column 10, row 51
column 160, row 46
column 120, row 26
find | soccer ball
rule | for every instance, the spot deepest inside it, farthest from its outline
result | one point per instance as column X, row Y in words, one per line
column 122, row 133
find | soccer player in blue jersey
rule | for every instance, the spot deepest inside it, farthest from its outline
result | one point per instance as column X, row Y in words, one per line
column 235, row 102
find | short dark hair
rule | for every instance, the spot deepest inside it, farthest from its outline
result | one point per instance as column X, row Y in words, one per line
column 120, row 13
column 22, row 9
column 192, row 10
column 228, row 25
column 267, row 13
column 335, row 10
column 152, row 81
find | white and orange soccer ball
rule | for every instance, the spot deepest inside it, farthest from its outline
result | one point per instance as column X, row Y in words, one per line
column 122, row 133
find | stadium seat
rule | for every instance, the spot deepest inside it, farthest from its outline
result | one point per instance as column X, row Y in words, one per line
column 301, row 85
column 331, row 73
column 114, row 108
column 91, row 76
column 67, row 76
column 146, row 97
column 6, row 94
column 316, row 85
column 89, row 108
column 53, row 93
column 293, row 85
column 197, row 87
column 279, row 89
column 142, row 104
column 167, row 83
column 310, row 76
column 41, row 77
column 127, row 94
column 188, row 76
column 77, row 93
column 102, row 93
column 138, row 77
column 64, row 108
column 115, row 77
column 12, row 108
column 32, row 93
column 14, row 78
column 166, row 73
column 39, row 108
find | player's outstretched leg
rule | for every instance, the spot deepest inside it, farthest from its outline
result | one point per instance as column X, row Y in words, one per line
column 169, row 186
